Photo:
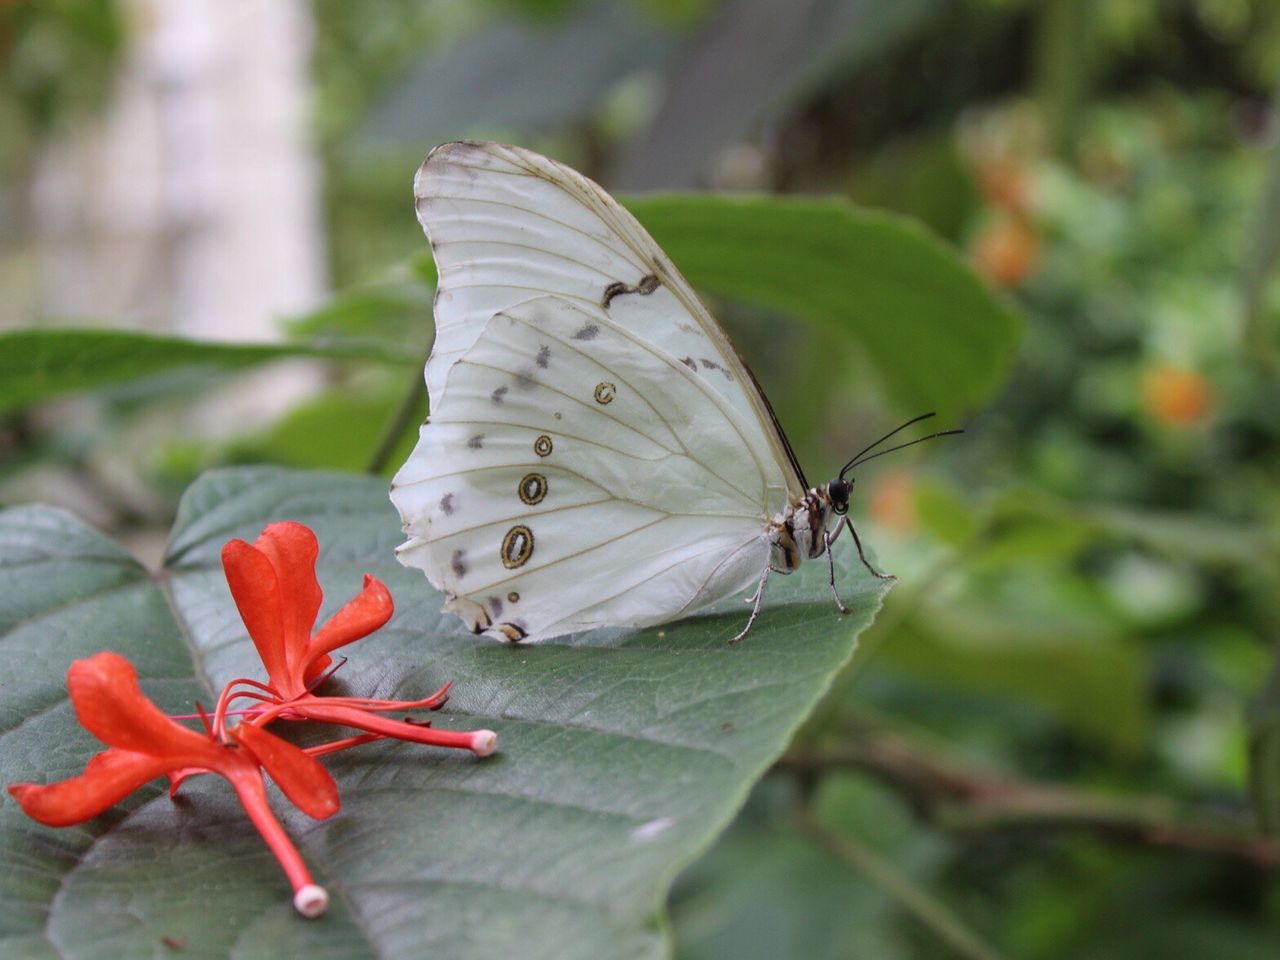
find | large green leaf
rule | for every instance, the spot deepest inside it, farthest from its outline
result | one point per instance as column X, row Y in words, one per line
column 622, row 753
column 37, row 365
column 938, row 339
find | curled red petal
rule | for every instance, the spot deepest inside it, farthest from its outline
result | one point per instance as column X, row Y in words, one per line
column 301, row 777
column 110, row 705
column 108, row 778
column 256, row 591
column 292, row 549
column 369, row 611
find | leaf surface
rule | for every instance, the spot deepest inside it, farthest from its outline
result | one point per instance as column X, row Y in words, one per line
column 38, row 365
column 622, row 753
column 936, row 337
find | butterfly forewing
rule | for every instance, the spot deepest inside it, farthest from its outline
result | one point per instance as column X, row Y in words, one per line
column 574, row 475
column 508, row 225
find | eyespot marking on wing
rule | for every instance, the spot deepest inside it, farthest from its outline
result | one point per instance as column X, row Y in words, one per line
column 457, row 563
column 446, row 504
column 513, row 597
column 589, row 331
column 544, row 357
column 498, row 394
column 532, row 488
column 605, row 392
column 517, row 547
column 542, row 446
column 476, row 442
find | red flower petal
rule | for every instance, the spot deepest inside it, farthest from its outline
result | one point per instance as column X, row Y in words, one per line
column 110, row 705
column 360, row 617
column 256, row 590
column 301, row 778
column 292, row 550
column 108, row 778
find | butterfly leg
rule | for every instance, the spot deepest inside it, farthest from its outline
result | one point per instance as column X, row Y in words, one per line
column 756, row 599
column 828, row 538
column 863, row 557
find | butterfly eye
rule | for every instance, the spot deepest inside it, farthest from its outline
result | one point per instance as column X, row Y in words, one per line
column 838, row 491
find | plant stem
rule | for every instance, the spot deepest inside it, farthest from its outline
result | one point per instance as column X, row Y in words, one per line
column 964, row 800
column 405, row 414
column 941, row 920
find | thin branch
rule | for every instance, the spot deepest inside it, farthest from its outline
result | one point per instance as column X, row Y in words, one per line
column 964, row 800
column 405, row 414
column 940, row 919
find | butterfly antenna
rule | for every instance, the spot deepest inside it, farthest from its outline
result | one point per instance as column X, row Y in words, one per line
column 911, row 443
column 871, row 446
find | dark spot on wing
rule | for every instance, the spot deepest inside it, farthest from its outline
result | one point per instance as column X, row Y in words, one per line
column 476, row 442
column 559, row 415
column 712, row 365
column 544, row 357
column 588, row 332
column 446, row 503
column 646, row 286
column 498, row 394
column 615, row 289
column 689, row 362
column 524, row 378
column 458, row 565
column 496, row 606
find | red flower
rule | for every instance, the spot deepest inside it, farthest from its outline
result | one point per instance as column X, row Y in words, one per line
column 273, row 582
column 143, row 744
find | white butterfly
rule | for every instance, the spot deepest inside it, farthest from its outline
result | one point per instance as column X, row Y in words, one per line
column 597, row 453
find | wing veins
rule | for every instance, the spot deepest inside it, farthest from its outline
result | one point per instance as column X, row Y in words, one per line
column 641, row 583
column 572, row 556
column 705, row 389
column 440, row 217
column 584, row 404
column 529, row 246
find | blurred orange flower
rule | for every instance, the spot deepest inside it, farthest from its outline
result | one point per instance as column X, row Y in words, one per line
column 1176, row 396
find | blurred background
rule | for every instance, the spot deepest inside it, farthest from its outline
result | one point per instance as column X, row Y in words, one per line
column 1062, row 737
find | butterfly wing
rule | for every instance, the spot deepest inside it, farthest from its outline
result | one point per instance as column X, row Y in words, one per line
column 575, row 475
column 507, row 225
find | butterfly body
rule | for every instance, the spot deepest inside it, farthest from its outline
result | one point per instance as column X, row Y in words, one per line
column 597, row 453
column 799, row 533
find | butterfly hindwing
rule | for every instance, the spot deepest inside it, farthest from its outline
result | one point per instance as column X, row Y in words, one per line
column 573, row 476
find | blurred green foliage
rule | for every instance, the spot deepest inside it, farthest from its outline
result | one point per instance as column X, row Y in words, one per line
column 1089, row 579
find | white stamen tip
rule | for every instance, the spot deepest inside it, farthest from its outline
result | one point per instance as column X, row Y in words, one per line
column 484, row 743
column 311, row 901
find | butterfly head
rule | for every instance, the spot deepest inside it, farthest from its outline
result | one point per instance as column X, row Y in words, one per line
column 838, row 490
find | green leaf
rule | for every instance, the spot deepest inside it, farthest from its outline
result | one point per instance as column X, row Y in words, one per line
column 38, row 365
column 305, row 436
column 1084, row 678
column 938, row 339
column 622, row 753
